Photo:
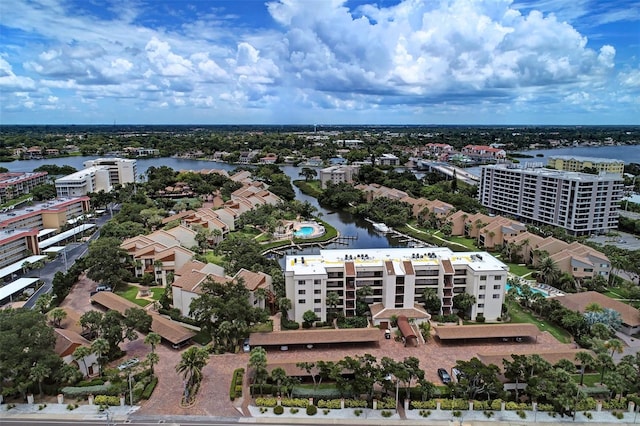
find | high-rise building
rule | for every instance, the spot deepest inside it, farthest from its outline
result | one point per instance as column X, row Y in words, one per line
column 581, row 203
column 121, row 170
column 397, row 278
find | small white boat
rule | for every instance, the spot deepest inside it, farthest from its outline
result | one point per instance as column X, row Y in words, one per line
column 381, row 227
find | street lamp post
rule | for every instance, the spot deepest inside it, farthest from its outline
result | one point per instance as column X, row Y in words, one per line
column 130, row 390
column 64, row 256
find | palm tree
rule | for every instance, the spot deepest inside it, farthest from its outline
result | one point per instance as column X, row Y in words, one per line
column 615, row 345
column 193, row 361
column 81, row 353
column 586, row 361
column 332, row 300
column 258, row 360
column 152, row 358
column 548, row 271
column 278, row 375
column 38, row 373
column 284, row 304
column 57, row 315
column 152, row 339
column 100, row 347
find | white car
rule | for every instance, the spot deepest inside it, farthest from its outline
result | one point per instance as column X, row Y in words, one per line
column 128, row 364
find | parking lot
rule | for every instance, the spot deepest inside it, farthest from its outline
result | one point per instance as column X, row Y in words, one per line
column 213, row 398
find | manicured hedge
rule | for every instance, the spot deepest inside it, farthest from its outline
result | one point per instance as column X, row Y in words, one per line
column 107, row 400
column 149, row 389
column 235, row 391
column 83, row 391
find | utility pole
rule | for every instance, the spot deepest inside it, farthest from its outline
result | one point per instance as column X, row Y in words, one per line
column 130, row 390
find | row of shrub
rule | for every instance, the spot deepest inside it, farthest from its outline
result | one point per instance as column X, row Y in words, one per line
column 94, row 382
column 304, row 402
column 148, row 390
column 587, row 404
column 446, row 318
column 85, row 391
column 235, row 391
column 352, row 322
column 287, row 324
column 113, row 401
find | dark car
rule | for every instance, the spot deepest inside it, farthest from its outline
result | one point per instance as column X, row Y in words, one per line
column 444, row 376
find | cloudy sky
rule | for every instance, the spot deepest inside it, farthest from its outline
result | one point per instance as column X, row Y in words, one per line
column 320, row 61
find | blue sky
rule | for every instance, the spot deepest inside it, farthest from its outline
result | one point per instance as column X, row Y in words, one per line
column 320, row 61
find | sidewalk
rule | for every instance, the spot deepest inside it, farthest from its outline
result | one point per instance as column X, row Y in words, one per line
column 60, row 411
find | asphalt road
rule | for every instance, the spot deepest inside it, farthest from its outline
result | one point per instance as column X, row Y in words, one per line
column 73, row 251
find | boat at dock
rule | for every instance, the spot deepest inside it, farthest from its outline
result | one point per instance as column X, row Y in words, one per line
column 381, row 227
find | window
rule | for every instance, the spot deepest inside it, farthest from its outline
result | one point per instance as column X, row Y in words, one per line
column 480, row 305
column 301, row 282
column 481, row 296
column 317, row 310
column 497, row 277
column 317, row 282
column 497, row 287
column 317, row 291
column 302, row 291
column 483, row 287
column 302, row 301
column 317, row 300
column 483, row 277
column 496, row 296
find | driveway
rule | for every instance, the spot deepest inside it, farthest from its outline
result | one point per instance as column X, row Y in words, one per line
column 213, row 398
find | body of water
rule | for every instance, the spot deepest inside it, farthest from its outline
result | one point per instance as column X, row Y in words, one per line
column 626, row 153
column 344, row 222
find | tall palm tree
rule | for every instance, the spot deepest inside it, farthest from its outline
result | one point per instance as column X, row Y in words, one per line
column 80, row 354
column 152, row 358
column 100, row 347
column 615, row 345
column 278, row 375
column 586, row 361
column 38, row 373
column 152, row 339
column 191, row 364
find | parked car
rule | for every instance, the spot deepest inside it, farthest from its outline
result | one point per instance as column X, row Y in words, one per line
column 128, row 364
column 246, row 347
column 103, row 288
column 444, row 376
column 387, row 334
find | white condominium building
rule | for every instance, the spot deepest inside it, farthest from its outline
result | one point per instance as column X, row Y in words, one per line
column 92, row 179
column 397, row 278
column 121, row 170
column 581, row 203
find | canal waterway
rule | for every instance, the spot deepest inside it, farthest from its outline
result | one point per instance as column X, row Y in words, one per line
column 347, row 224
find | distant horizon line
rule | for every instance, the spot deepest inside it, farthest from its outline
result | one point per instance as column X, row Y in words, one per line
column 316, row 125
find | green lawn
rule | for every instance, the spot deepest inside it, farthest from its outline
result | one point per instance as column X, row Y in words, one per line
column 590, row 379
column 519, row 270
column 130, row 294
column 157, row 292
column 213, row 258
column 201, row 338
column 263, row 327
column 518, row 315
column 467, row 242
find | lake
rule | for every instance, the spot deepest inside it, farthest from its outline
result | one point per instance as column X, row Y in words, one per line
column 344, row 222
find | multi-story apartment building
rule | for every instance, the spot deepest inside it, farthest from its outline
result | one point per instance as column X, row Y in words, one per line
column 581, row 203
column 16, row 244
column 14, row 184
column 571, row 163
column 53, row 214
column 91, row 179
column 337, row 174
column 121, row 170
column 397, row 277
